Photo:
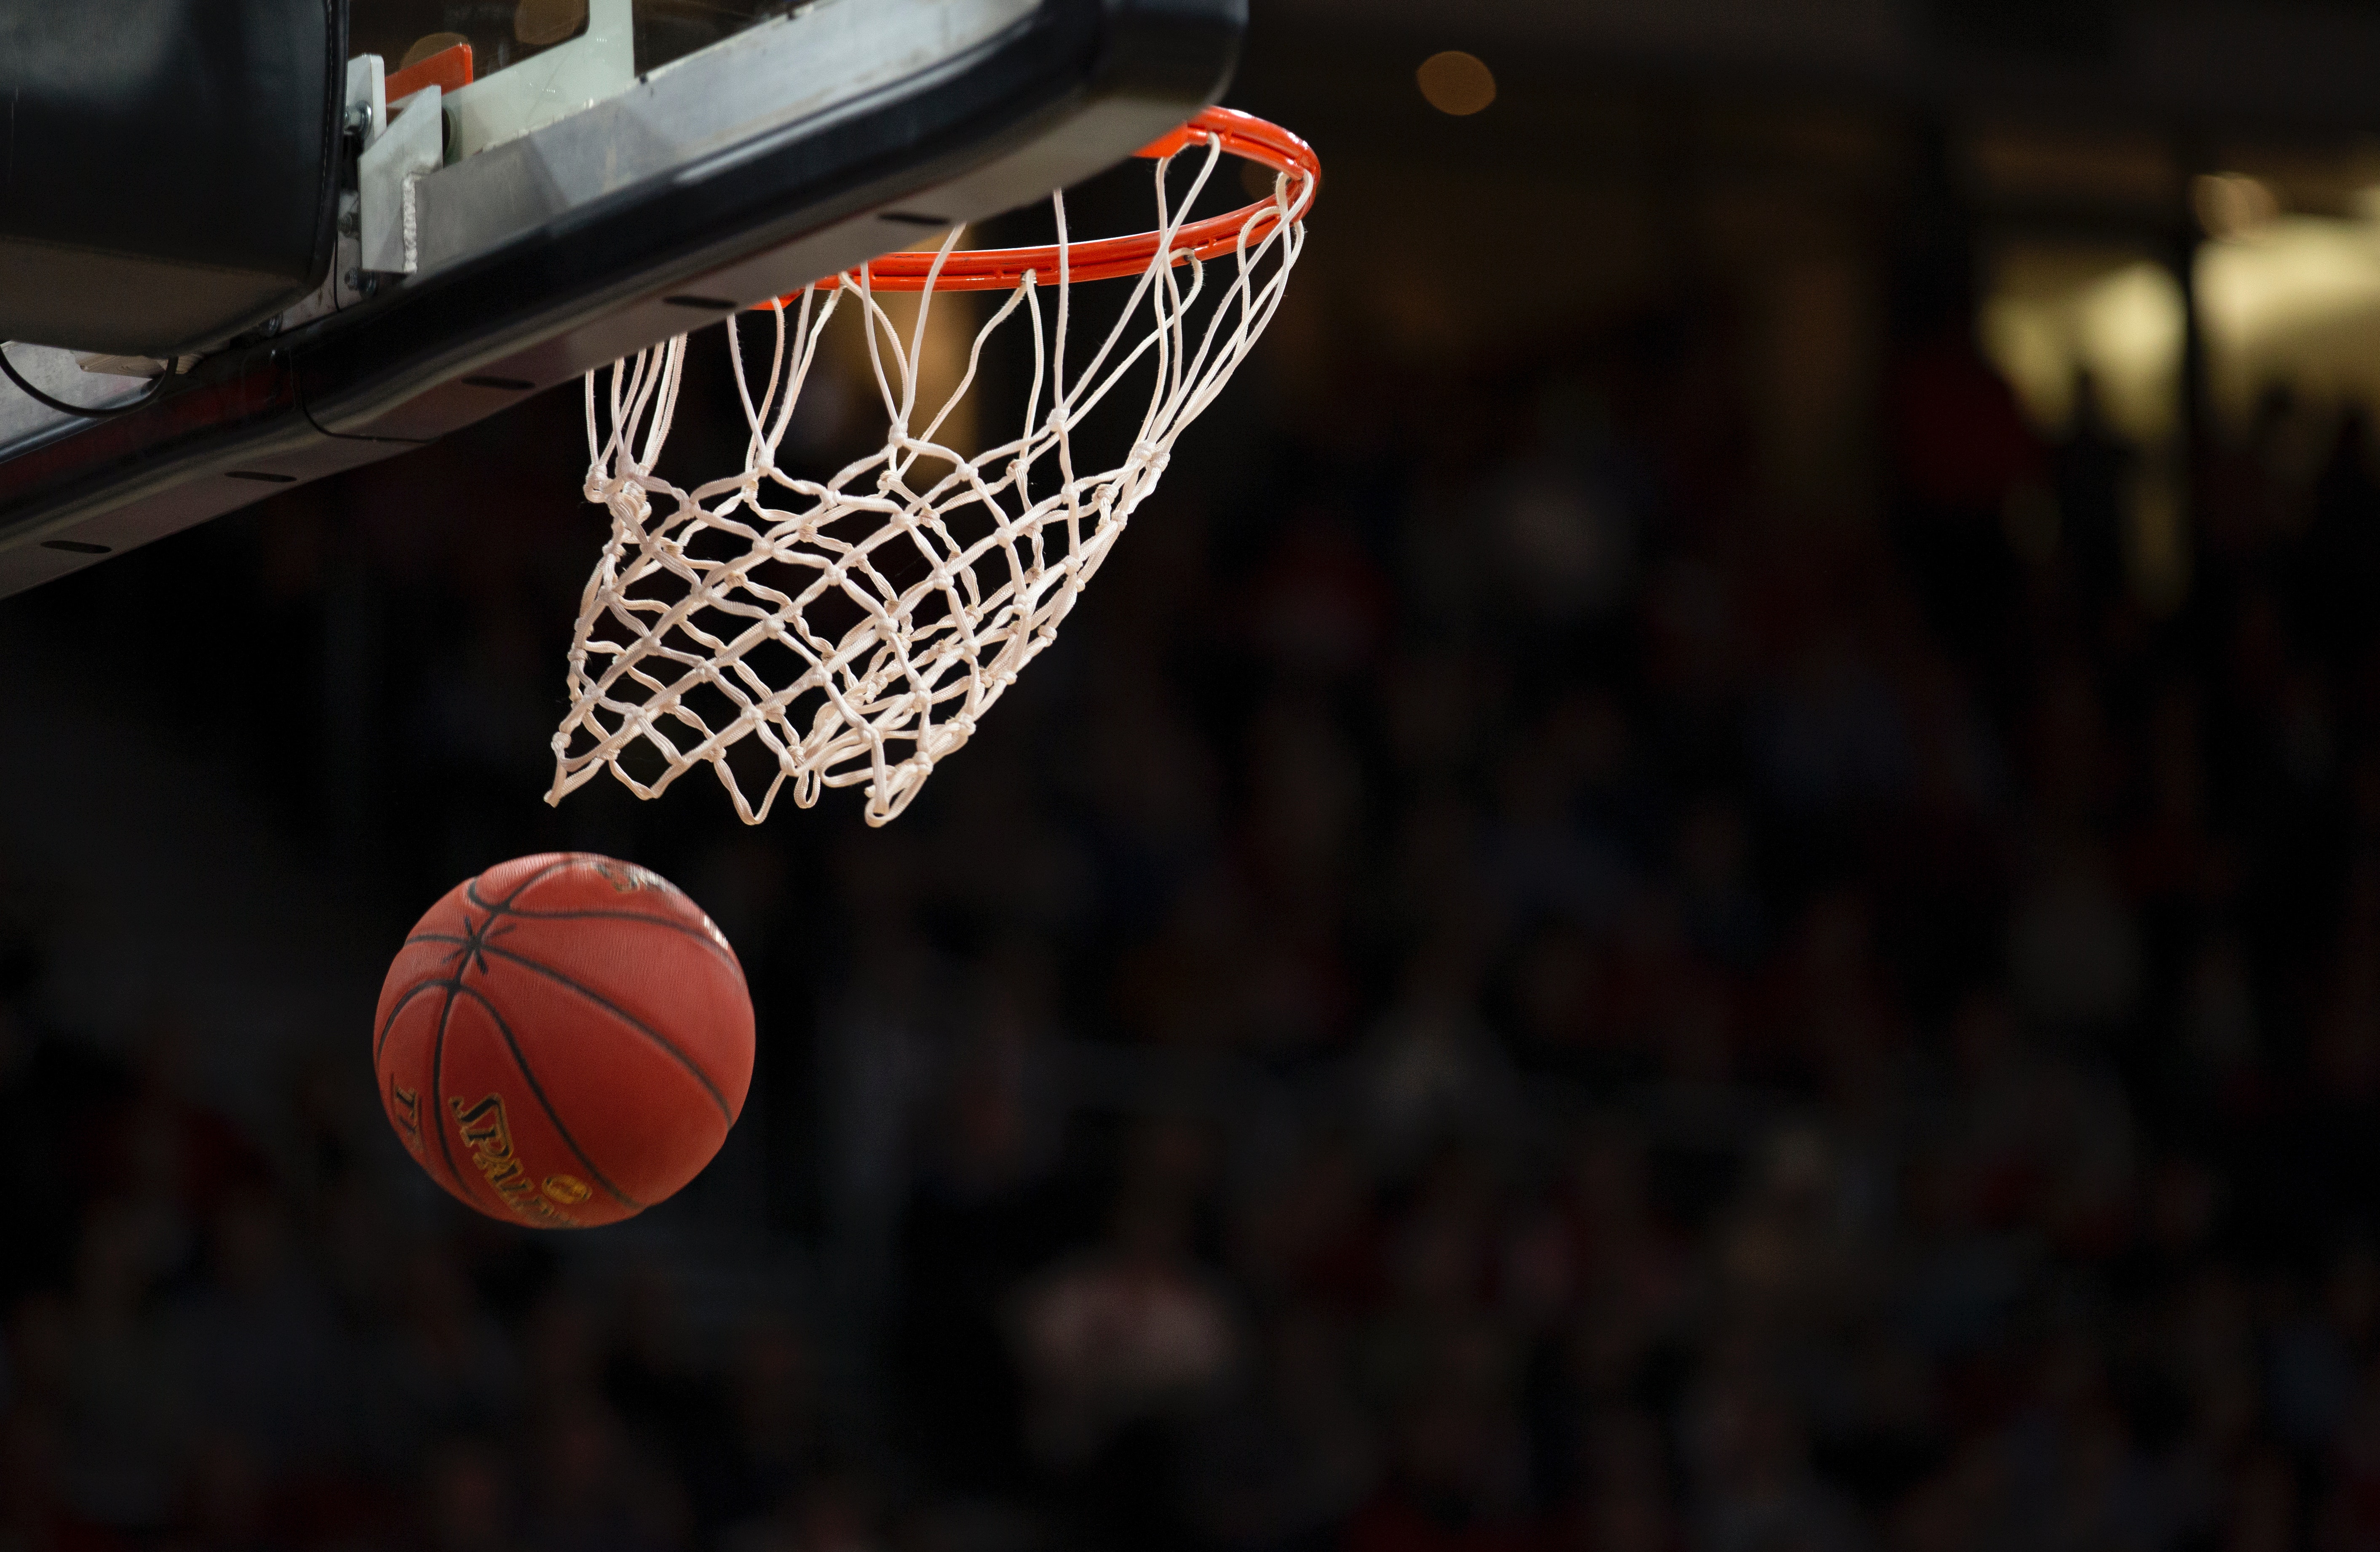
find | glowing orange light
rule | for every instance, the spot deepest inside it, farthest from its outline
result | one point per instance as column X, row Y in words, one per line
column 1456, row 83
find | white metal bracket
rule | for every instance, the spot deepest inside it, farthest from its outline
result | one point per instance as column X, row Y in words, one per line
column 368, row 95
column 599, row 62
column 392, row 164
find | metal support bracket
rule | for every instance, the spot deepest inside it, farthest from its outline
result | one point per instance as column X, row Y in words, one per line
column 599, row 64
column 386, row 180
column 368, row 95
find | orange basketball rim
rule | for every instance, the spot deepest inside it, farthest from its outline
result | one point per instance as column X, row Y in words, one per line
column 1003, row 269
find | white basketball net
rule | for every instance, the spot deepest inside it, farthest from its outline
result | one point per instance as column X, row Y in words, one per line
column 860, row 628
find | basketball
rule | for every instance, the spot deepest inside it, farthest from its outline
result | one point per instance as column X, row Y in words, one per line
column 563, row 1040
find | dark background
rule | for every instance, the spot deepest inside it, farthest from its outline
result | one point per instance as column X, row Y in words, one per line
column 1644, row 912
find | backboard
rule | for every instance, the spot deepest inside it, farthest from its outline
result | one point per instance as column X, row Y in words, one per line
column 552, row 184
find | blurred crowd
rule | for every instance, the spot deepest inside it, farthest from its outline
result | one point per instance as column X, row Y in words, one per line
column 1502, row 989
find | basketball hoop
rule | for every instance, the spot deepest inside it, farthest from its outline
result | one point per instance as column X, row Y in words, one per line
column 861, row 630
column 1001, row 269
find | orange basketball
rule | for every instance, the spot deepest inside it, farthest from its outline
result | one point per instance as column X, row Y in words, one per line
column 563, row 1040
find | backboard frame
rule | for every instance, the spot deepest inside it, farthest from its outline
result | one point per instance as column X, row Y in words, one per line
column 577, row 269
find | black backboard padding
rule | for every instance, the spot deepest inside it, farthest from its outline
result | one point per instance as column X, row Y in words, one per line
column 168, row 168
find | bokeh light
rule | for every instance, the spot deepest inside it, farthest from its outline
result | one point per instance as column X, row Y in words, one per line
column 1456, row 83
column 2233, row 204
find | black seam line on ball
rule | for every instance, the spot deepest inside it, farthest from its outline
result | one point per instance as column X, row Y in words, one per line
column 438, row 1086
column 505, row 907
column 639, row 1025
column 472, row 952
column 673, row 923
column 706, row 940
column 379, row 1042
column 471, row 886
column 537, row 1092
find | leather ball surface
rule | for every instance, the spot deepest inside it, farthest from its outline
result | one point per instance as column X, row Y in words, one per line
column 563, row 1040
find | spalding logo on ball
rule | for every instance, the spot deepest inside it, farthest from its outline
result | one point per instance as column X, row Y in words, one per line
column 563, row 1040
